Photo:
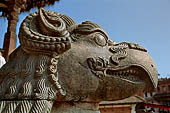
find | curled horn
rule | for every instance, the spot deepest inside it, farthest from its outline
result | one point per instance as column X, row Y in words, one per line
column 45, row 32
column 51, row 25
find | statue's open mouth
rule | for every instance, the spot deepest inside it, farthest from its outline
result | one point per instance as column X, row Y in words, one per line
column 132, row 74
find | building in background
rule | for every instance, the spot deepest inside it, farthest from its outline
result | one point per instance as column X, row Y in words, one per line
column 162, row 95
column 127, row 105
column 159, row 99
column 148, row 96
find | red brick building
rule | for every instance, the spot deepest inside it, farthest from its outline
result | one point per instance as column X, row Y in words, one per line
column 162, row 95
column 160, row 98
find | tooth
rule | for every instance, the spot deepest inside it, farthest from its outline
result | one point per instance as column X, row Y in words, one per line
column 131, row 71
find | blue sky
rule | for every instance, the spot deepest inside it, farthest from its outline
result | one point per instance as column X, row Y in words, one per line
column 146, row 22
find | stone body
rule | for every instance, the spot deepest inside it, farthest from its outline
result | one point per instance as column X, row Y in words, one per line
column 64, row 67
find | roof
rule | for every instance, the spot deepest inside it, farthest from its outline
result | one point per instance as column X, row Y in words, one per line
column 163, row 81
column 131, row 100
column 27, row 5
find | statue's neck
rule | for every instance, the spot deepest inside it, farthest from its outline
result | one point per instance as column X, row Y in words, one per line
column 75, row 107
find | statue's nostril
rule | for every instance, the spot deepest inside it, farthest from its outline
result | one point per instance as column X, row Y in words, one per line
column 114, row 60
column 152, row 65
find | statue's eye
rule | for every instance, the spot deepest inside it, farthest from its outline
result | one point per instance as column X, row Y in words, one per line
column 100, row 39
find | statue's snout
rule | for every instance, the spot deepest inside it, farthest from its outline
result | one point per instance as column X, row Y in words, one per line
column 131, row 54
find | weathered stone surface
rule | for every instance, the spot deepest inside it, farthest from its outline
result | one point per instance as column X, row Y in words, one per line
column 64, row 67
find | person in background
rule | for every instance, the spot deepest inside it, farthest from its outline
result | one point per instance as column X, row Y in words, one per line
column 2, row 59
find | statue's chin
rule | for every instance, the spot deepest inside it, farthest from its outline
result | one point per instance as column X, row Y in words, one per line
column 119, row 89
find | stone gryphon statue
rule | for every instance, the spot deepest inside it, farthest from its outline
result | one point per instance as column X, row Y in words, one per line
column 64, row 67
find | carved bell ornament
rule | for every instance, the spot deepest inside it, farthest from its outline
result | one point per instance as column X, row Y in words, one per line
column 60, row 62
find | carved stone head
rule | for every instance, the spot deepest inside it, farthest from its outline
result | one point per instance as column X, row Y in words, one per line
column 60, row 60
